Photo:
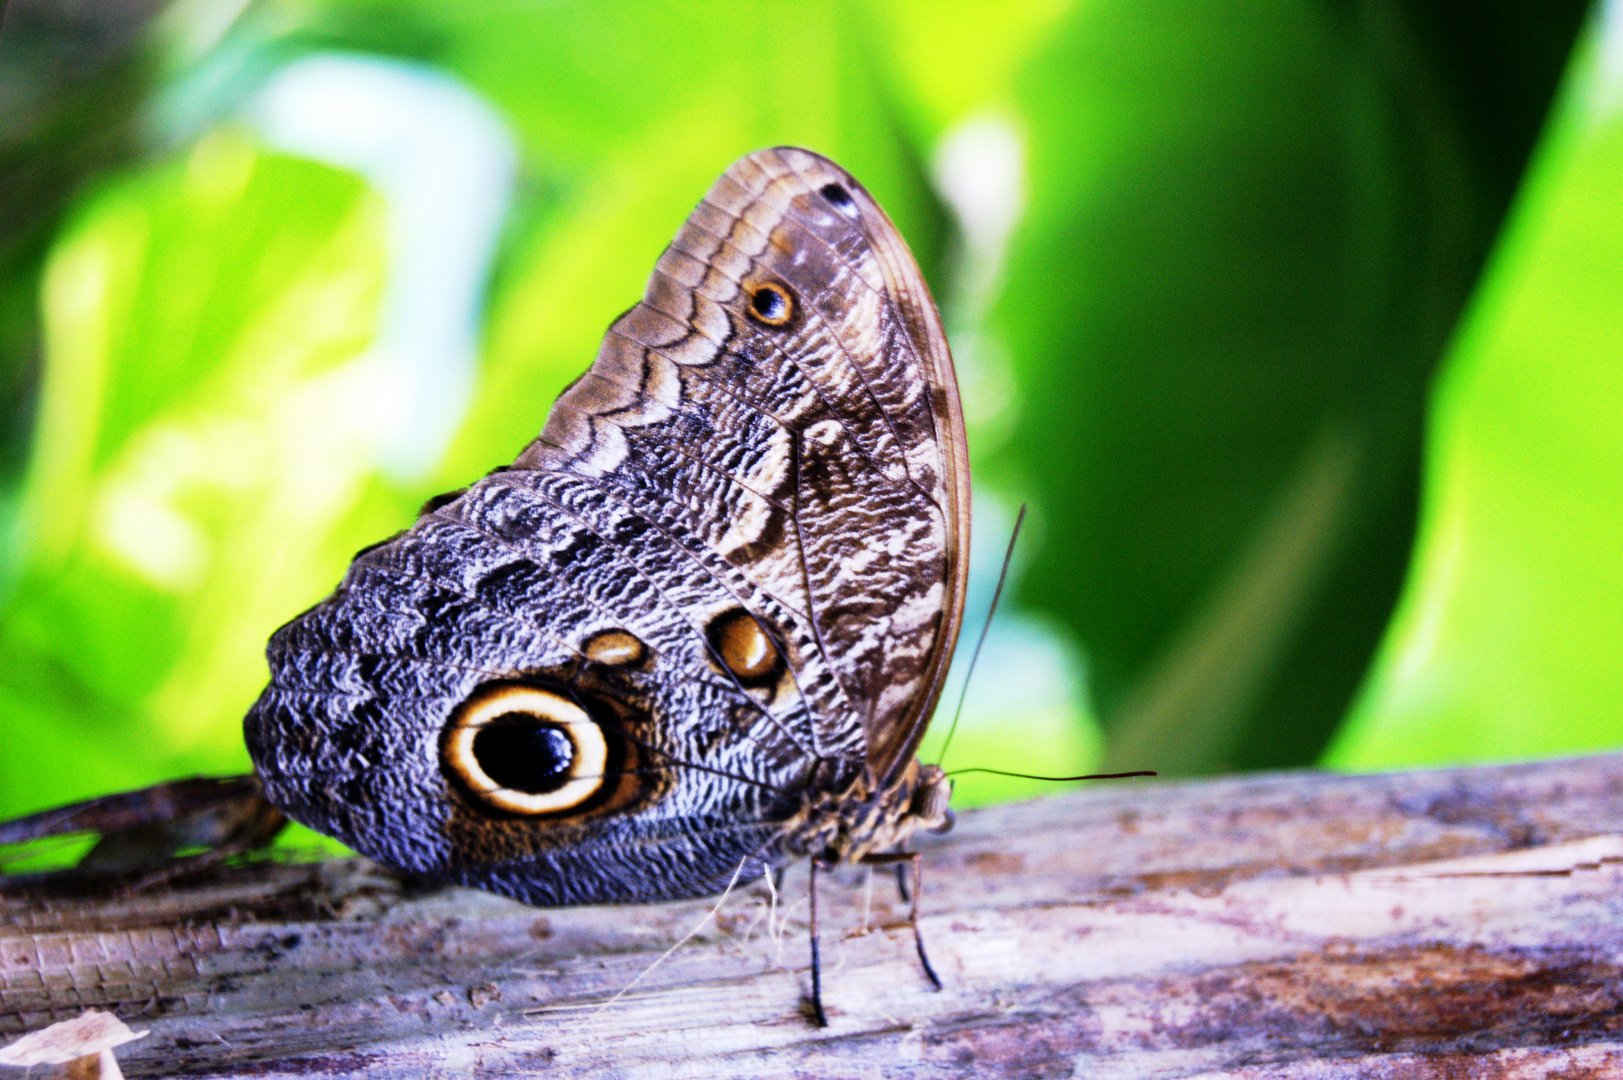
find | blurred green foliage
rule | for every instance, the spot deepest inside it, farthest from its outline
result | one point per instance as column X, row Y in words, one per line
column 1508, row 639
column 191, row 313
column 1244, row 236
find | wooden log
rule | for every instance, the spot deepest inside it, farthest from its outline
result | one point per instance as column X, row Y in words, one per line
column 1454, row 923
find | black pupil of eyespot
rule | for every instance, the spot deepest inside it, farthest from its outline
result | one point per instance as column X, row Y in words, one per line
column 837, row 195
column 524, row 754
column 768, row 303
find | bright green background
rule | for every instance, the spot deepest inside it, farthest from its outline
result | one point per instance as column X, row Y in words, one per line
column 1299, row 290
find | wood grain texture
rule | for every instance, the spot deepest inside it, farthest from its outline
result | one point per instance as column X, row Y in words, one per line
column 1436, row 924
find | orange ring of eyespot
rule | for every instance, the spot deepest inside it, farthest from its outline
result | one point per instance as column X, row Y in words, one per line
column 586, row 770
column 787, row 303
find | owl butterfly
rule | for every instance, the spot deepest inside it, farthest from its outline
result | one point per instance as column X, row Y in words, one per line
column 697, row 629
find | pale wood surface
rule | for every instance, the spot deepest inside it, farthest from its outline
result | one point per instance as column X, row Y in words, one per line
column 1433, row 924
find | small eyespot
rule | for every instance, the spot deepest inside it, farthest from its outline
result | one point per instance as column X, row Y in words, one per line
column 524, row 750
column 840, row 199
column 614, row 648
column 743, row 646
column 770, row 304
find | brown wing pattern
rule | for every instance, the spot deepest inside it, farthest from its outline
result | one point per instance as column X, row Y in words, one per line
column 823, row 457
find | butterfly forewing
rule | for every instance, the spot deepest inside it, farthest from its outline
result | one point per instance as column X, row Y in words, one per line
column 728, row 575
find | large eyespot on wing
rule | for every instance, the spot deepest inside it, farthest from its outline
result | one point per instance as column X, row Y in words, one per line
column 528, row 751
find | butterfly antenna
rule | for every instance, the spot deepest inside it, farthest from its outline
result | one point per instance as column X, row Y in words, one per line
column 974, row 658
column 1059, row 779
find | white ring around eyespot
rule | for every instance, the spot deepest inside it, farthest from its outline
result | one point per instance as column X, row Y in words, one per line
column 586, row 771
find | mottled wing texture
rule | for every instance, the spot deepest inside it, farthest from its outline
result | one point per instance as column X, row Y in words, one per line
column 774, row 431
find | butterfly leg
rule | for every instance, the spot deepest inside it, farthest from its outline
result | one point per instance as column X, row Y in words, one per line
column 901, row 860
column 816, row 956
column 913, row 920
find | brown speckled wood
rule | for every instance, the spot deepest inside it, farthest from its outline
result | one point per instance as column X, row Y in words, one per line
column 701, row 623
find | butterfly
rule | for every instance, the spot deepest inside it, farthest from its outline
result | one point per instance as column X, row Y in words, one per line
column 696, row 630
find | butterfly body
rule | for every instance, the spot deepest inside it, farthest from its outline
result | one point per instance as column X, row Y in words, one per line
column 699, row 625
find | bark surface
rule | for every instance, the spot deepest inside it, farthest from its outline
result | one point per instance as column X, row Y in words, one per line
column 1430, row 924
